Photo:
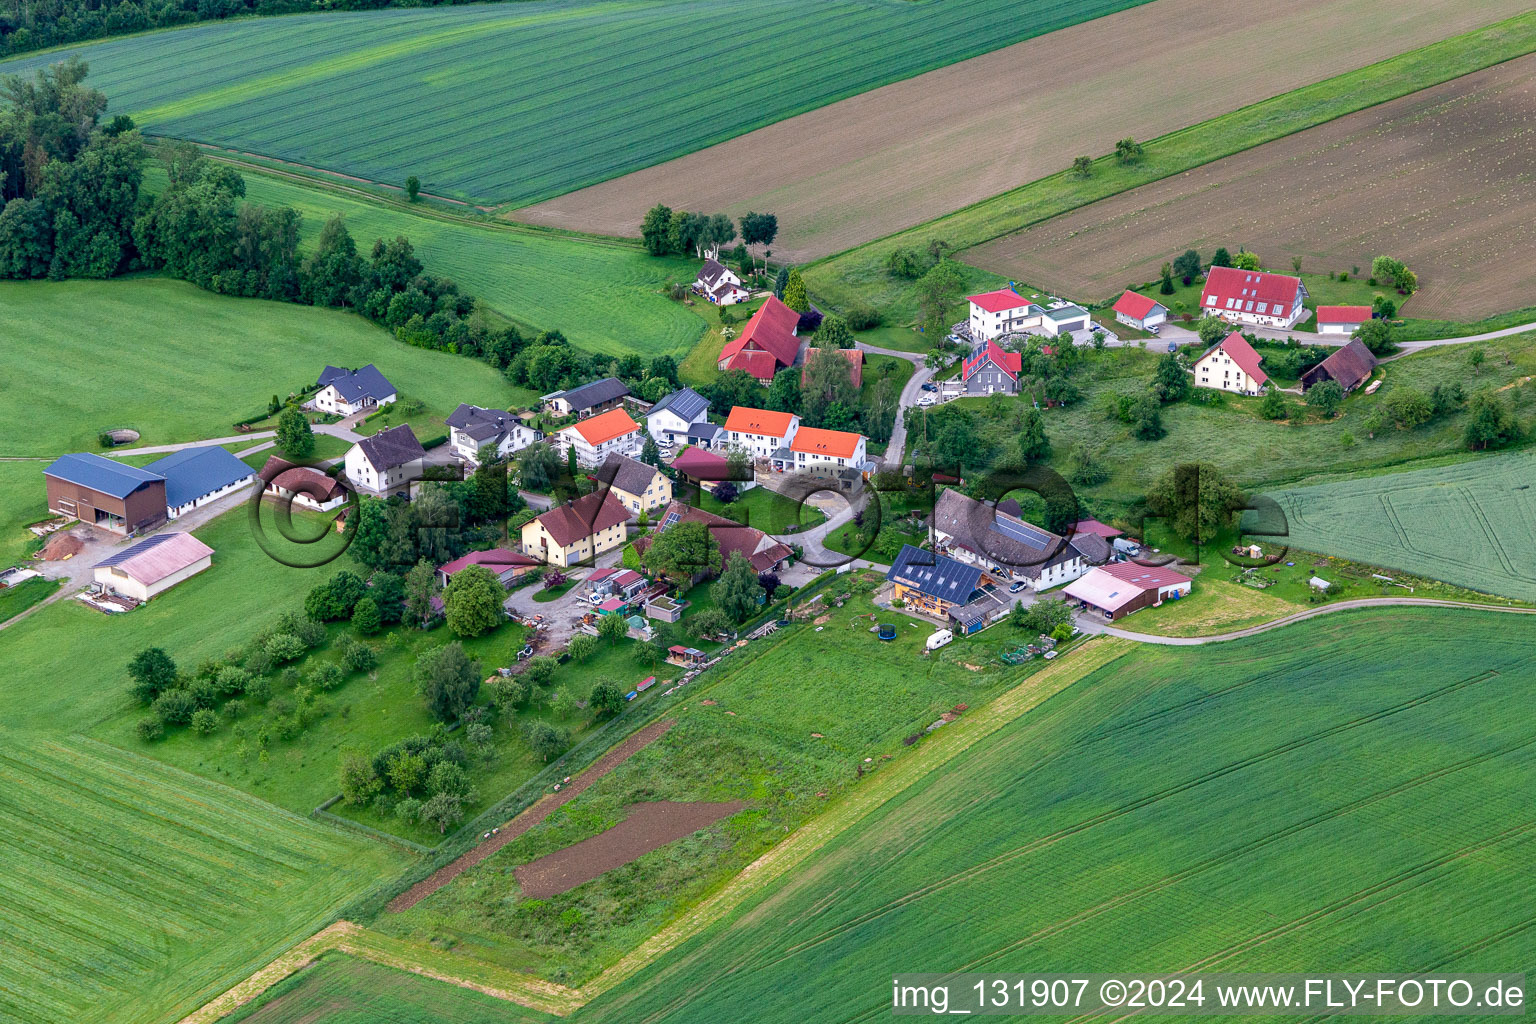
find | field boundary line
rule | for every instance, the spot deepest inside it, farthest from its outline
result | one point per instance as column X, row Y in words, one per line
column 859, row 802
column 285, row 964
column 1310, row 613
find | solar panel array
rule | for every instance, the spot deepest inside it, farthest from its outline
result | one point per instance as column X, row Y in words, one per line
column 1023, row 532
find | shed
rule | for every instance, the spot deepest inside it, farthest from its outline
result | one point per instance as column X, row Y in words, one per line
column 613, row 606
column 153, row 566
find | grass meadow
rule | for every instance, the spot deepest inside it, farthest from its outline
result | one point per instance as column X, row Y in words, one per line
column 347, row 990
column 784, row 728
column 604, row 295
column 134, row 892
column 1349, row 794
column 179, row 364
column 513, row 103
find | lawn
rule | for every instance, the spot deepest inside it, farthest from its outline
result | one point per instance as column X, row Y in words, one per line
column 15, row 600
column 604, row 295
column 765, row 510
column 348, row 990
column 785, row 726
column 189, row 389
column 512, row 103
column 135, row 892
column 23, row 500
column 859, row 275
column 1349, row 794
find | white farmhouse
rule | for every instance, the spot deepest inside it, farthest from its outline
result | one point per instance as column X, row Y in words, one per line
column 825, row 452
column 345, row 392
column 1005, row 311
column 472, row 428
column 1231, row 365
column 386, row 463
column 1254, row 297
column 670, row 418
column 718, row 284
column 759, row 432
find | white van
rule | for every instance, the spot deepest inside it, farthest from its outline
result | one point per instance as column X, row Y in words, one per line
column 940, row 638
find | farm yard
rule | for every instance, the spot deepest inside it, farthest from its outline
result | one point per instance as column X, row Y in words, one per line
column 1350, row 793
column 605, row 296
column 598, row 88
column 134, row 892
column 1471, row 523
column 1321, row 196
column 909, row 152
column 88, row 372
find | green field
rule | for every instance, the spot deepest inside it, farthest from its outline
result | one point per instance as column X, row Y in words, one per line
column 23, row 500
column 754, row 743
column 513, row 103
column 1469, row 523
column 179, row 364
column 859, row 275
column 605, row 296
column 347, row 990
column 135, row 892
column 1351, row 794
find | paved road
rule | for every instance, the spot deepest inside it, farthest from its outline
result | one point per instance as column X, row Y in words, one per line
column 1184, row 336
column 910, row 393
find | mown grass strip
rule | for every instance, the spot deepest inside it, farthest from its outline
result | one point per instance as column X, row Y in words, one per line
column 858, row 275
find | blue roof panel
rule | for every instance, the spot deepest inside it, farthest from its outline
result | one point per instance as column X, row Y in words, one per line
column 193, row 472
column 101, row 474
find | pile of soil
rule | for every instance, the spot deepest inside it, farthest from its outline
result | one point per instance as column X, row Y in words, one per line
column 61, row 546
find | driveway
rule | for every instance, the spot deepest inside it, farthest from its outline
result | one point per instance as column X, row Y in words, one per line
column 561, row 616
column 910, row 393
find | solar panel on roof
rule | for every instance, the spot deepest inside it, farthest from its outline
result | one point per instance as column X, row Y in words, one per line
column 1022, row 532
column 672, row 517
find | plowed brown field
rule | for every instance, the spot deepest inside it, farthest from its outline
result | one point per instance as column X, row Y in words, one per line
column 1444, row 179
column 888, row 159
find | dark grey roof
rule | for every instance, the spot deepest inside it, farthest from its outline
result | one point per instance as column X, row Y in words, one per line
column 352, row 385
column 711, row 273
column 685, row 402
column 626, row 474
column 1094, row 549
column 193, row 472
column 996, row 535
column 933, row 574
column 703, row 430
column 101, row 474
column 484, row 425
column 391, row 448
column 595, row 393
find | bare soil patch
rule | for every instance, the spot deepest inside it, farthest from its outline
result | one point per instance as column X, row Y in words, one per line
column 533, row 815
column 61, row 546
column 897, row 156
column 647, row 827
column 1444, row 178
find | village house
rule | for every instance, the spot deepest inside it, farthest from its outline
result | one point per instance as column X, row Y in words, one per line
column 940, row 587
column 730, row 536
column 638, row 486
column 1065, row 320
column 507, row 566
column 990, row 370
column 588, row 400
column 1115, row 591
column 305, row 486
column 704, row 434
column 1254, row 297
column 669, row 420
column 1231, row 365
column 471, row 428
column 1140, row 312
column 197, row 476
column 1341, row 319
column 577, row 531
column 1005, row 311
column 346, row 392
column 759, row 432
column 974, row 532
column 766, row 345
column 1351, row 366
column 833, row 453
column 102, row 492
column 386, row 463
column 153, row 566
column 718, row 284
column 594, row 439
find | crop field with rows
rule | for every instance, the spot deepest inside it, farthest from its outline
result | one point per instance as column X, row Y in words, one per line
column 1471, row 523
column 1350, row 794
column 517, row 102
column 134, row 892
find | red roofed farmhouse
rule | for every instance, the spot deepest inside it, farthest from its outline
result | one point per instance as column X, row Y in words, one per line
column 1231, row 365
column 1005, row 311
column 1254, row 297
column 990, row 370
column 767, row 344
column 1140, row 312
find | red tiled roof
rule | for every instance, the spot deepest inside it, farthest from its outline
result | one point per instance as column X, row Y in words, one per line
column 1246, row 288
column 770, row 556
column 839, row 444
column 605, row 427
column 758, row 421
column 587, row 515
column 771, row 330
column 1343, row 314
column 1009, row 362
column 999, row 301
column 730, row 535
column 1144, row 576
column 497, row 560
column 696, row 462
column 1136, row 306
column 1096, row 528
column 1241, row 353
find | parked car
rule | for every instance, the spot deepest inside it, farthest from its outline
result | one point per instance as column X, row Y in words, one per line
column 1154, row 329
column 1015, row 588
column 929, row 385
column 925, row 400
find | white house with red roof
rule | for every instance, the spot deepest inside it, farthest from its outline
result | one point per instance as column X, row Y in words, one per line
column 766, row 345
column 991, row 371
column 597, row 437
column 1138, row 311
column 816, row 450
column 1341, row 319
column 718, row 284
column 760, row 432
column 1254, row 297
column 1005, row 311
column 1231, row 365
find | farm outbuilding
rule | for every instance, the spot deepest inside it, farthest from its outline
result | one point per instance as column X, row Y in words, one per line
column 1351, row 366
column 1115, row 591
column 197, row 476
column 1341, row 319
column 116, row 497
column 1065, row 320
column 153, row 566
column 1140, row 312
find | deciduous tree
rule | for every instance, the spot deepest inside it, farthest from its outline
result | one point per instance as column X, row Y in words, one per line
column 448, row 680
column 472, row 601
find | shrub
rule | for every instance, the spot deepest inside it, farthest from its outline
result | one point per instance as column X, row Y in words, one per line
column 235, row 708
column 357, row 656
column 447, row 777
column 540, row 670
column 359, row 780
column 582, row 646
column 230, row 681
column 150, row 729
column 862, row 317
column 408, row 809
column 205, row 721
column 366, row 618
column 284, row 647
column 174, row 707
column 259, row 690
column 327, row 677
column 508, row 694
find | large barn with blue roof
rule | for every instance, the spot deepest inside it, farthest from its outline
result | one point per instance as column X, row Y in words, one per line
column 127, row 499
